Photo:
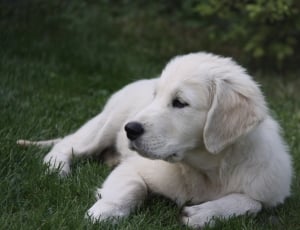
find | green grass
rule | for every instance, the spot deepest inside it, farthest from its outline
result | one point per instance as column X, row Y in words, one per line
column 59, row 63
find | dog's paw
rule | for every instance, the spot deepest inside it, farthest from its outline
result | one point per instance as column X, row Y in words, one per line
column 199, row 215
column 57, row 162
column 102, row 211
column 98, row 195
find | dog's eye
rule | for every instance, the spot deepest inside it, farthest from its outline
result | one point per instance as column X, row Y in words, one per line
column 176, row 103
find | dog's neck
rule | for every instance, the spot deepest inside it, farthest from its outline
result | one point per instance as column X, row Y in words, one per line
column 203, row 160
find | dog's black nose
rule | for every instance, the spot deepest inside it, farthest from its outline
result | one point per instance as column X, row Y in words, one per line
column 134, row 130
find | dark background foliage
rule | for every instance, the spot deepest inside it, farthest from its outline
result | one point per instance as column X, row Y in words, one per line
column 261, row 34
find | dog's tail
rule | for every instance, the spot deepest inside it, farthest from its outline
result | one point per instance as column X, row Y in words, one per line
column 42, row 144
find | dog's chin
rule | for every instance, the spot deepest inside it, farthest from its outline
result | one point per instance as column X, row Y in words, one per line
column 169, row 157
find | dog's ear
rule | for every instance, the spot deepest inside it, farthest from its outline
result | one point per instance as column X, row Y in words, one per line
column 234, row 111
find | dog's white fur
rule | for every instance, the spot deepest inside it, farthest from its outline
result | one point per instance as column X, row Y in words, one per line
column 222, row 151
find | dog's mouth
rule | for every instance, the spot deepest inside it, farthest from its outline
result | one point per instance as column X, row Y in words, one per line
column 154, row 155
column 141, row 151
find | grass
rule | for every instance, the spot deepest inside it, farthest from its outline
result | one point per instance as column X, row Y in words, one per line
column 59, row 63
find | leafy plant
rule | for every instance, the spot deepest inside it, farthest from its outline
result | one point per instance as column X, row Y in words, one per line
column 260, row 28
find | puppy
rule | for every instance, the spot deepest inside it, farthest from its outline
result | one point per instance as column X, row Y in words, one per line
column 200, row 133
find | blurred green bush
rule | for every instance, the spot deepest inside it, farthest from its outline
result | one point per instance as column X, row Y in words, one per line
column 258, row 33
column 266, row 30
column 262, row 33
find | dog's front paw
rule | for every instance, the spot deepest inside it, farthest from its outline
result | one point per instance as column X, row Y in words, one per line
column 57, row 162
column 103, row 210
column 199, row 215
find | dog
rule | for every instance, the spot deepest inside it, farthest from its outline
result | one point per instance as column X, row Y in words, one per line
column 201, row 134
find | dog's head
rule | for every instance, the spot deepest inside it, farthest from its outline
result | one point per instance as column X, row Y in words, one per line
column 201, row 101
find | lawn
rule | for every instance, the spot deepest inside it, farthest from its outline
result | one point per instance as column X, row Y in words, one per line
column 59, row 62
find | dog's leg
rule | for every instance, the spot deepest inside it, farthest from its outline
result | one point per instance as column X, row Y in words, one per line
column 123, row 191
column 228, row 206
column 100, row 132
column 93, row 137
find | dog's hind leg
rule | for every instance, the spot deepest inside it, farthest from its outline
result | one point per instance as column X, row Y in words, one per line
column 93, row 137
column 99, row 133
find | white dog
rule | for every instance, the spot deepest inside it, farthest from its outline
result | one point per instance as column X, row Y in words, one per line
column 203, row 135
